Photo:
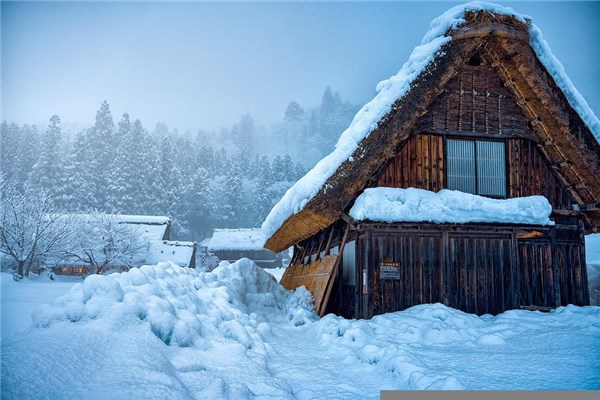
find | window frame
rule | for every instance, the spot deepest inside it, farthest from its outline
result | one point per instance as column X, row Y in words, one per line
column 475, row 140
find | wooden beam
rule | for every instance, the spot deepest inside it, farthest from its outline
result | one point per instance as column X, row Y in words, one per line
column 590, row 207
column 333, row 273
column 567, row 213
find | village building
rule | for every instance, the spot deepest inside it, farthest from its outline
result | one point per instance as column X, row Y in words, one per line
column 470, row 180
column 154, row 232
column 234, row 244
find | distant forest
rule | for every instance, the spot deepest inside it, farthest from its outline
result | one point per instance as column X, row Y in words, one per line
column 204, row 180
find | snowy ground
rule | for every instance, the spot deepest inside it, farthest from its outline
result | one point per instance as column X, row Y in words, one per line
column 19, row 299
column 169, row 332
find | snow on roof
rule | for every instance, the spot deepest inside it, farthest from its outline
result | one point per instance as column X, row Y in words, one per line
column 177, row 252
column 133, row 219
column 144, row 219
column 390, row 90
column 447, row 206
column 150, row 227
column 236, row 239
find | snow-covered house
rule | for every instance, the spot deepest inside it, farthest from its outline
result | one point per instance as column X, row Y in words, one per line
column 470, row 180
column 234, row 244
column 154, row 243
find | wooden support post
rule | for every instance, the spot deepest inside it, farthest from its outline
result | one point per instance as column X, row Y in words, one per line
column 334, row 272
column 321, row 241
column 555, row 278
column 515, row 284
column 328, row 245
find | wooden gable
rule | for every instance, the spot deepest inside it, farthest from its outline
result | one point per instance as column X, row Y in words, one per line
column 475, row 103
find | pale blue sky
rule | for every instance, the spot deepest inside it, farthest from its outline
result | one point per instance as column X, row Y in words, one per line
column 202, row 65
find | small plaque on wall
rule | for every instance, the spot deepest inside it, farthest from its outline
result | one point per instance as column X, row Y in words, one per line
column 389, row 271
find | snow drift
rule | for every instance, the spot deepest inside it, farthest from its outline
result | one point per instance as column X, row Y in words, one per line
column 182, row 306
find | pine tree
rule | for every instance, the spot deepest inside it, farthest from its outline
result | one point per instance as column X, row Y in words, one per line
column 294, row 112
column 277, row 169
column 287, row 167
column 196, row 198
column 143, row 161
column 245, row 134
column 262, row 201
column 235, row 195
column 99, row 140
column 47, row 170
column 81, row 181
column 10, row 138
column 120, row 192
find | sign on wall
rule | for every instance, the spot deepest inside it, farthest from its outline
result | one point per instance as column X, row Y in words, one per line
column 389, row 271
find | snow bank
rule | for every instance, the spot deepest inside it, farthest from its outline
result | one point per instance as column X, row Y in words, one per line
column 397, row 86
column 447, row 206
column 182, row 306
column 401, row 344
column 236, row 239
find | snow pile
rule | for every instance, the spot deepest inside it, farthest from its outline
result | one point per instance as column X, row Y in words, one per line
column 399, row 85
column 236, row 239
column 182, row 306
column 400, row 344
column 447, row 206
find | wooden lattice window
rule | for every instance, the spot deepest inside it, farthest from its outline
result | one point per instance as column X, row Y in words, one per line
column 476, row 166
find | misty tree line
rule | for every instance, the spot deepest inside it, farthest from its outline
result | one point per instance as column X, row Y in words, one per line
column 227, row 179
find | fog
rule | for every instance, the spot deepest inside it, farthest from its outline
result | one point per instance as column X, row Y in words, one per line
column 203, row 65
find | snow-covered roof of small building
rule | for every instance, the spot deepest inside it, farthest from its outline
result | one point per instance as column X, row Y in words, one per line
column 401, row 95
column 150, row 227
column 384, row 204
column 236, row 239
column 178, row 252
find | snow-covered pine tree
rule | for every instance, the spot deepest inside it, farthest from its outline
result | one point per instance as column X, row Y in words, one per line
column 277, row 169
column 287, row 167
column 262, row 196
column 243, row 134
column 235, row 194
column 120, row 190
column 27, row 154
column 46, row 172
column 294, row 112
column 10, row 137
column 99, row 140
column 197, row 198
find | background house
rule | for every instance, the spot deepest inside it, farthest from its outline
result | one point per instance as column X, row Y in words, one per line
column 233, row 244
column 153, row 246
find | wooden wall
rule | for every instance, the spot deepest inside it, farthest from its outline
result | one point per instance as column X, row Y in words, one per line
column 419, row 163
column 477, row 269
column 531, row 174
column 475, row 100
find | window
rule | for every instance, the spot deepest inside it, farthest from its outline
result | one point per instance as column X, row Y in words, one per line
column 348, row 263
column 476, row 166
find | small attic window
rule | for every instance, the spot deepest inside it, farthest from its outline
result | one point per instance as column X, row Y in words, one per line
column 475, row 60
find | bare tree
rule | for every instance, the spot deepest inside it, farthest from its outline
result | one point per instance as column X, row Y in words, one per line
column 32, row 230
column 105, row 242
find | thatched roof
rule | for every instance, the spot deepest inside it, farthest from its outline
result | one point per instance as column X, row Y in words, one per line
column 566, row 129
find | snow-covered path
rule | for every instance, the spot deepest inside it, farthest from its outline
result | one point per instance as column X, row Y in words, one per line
column 314, row 371
column 168, row 332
